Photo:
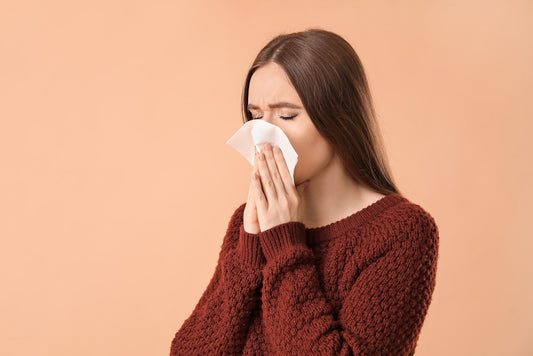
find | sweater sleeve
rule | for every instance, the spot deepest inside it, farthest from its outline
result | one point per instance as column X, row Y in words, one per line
column 219, row 322
column 382, row 313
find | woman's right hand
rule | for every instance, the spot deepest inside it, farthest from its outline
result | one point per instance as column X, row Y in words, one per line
column 250, row 222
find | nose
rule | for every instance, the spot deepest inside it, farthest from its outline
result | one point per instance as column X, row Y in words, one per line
column 267, row 116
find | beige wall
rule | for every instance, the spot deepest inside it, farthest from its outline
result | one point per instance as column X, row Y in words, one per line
column 116, row 185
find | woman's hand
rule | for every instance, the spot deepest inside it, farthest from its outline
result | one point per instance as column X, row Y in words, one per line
column 277, row 200
column 251, row 225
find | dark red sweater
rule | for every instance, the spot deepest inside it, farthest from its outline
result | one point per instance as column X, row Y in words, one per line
column 359, row 286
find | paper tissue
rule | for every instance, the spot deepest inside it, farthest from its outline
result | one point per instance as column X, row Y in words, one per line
column 255, row 133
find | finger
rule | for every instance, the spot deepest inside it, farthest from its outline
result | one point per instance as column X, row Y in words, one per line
column 284, row 171
column 266, row 180
column 259, row 197
column 251, row 199
column 274, row 172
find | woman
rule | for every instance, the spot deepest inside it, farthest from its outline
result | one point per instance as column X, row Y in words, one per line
column 336, row 263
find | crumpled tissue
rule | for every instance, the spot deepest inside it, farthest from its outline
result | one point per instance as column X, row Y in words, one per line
column 255, row 133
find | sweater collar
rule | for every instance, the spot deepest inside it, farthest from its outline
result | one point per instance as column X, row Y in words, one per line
column 339, row 227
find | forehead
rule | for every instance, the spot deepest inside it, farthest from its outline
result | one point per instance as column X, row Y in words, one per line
column 270, row 83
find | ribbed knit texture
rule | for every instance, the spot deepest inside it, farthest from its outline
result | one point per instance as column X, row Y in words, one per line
column 359, row 286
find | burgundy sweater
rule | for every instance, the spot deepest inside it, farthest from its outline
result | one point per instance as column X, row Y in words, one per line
column 359, row 286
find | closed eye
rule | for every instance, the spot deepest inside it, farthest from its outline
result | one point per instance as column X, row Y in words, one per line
column 282, row 117
column 289, row 117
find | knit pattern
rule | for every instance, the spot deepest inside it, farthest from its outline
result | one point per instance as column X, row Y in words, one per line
column 358, row 286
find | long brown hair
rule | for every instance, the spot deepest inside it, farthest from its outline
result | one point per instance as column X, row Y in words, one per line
column 330, row 80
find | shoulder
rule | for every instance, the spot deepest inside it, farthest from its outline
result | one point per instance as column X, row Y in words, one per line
column 412, row 225
column 411, row 215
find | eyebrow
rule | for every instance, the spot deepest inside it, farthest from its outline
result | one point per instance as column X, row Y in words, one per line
column 281, row 104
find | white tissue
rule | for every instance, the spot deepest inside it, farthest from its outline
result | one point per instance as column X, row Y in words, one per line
column 256, row 132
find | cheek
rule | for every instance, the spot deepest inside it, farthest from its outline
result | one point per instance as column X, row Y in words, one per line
column 300, row 144
column 301, row 138
column 312, row 149
column 313, row 154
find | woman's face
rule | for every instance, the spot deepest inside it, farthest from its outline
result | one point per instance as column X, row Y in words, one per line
column 272, row 97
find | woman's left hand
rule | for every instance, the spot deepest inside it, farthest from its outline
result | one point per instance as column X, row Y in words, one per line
column 277, row 200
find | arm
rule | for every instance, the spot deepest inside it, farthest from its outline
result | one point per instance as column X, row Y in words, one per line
column 219, row 323
column 384, row 308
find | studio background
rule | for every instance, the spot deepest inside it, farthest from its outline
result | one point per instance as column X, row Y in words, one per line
column 116, row 185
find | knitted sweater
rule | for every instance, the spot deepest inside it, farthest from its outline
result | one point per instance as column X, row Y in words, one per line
column 359, row 286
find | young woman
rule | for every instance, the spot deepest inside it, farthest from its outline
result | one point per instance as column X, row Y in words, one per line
column 337, row 263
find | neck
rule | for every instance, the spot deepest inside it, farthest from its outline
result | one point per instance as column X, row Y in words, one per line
column 332, row 195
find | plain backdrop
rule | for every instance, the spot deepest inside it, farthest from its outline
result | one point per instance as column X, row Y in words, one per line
column 116, row 186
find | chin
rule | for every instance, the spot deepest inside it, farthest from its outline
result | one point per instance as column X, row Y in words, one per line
column 298, row 183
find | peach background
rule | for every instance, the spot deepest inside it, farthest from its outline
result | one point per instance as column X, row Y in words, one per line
column 116, row 185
